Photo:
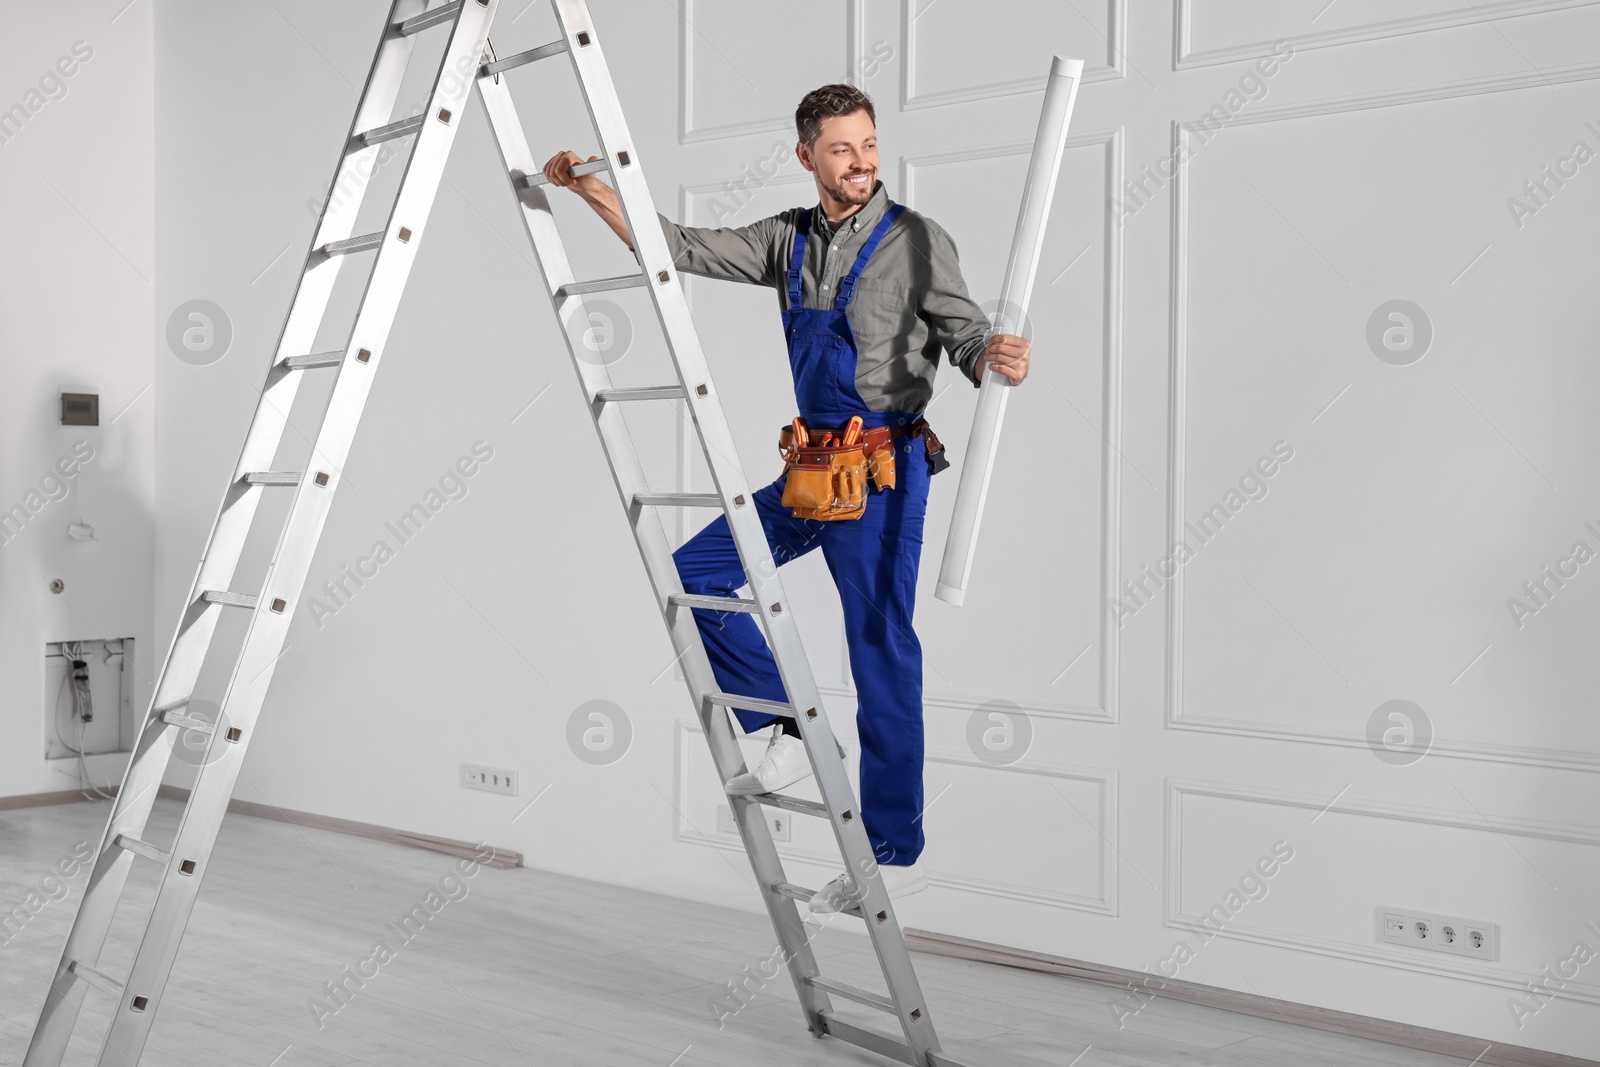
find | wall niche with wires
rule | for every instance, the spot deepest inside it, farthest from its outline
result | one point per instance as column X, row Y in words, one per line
column 88, row 697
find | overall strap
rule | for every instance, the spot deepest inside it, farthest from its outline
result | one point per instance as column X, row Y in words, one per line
column 847, row 286
column 802, row 226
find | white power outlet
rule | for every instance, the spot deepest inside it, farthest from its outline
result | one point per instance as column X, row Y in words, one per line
column 1439, row 933
column 777, row 822
column 489, row 779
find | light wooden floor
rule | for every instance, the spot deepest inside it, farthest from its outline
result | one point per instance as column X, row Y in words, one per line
column 539, row 969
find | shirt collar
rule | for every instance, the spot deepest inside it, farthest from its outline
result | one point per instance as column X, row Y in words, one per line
column 864, row 219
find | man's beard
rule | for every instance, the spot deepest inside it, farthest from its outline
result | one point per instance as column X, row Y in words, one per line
column 849, row 194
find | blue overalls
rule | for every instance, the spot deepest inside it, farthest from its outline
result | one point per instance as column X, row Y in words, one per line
column 873, row 561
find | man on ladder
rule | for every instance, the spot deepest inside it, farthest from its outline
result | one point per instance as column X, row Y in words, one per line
column 870, row 292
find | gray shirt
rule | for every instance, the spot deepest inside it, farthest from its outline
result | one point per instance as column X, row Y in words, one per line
column 909, row 302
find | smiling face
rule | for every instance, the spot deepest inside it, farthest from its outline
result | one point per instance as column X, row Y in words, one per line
column 845, row 161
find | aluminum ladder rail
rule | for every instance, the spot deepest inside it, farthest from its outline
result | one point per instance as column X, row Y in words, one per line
column 657, row 273
column 183, row 861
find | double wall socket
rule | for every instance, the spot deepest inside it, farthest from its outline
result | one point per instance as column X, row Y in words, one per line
column 1439, row 933
column 489, row 779
column 777, row 822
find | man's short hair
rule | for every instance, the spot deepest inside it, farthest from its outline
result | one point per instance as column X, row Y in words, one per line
column 830, row 100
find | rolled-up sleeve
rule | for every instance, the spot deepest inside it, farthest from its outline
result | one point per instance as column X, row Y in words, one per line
column 734, row 253
column 954, row 320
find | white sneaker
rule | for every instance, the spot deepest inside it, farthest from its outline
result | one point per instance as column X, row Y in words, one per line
column 899, row 881
column 784, row 764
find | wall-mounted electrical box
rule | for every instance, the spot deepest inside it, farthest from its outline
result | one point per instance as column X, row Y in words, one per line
column 80, row 409
column 88, row 697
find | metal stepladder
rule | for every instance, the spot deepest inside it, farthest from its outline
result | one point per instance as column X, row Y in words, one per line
column 183, row 860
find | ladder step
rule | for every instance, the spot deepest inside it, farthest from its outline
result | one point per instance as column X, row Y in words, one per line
column 379, row 134
column 174, row 717
column 100, row 980
column 132, row 844
column 643, row 392
column 232, row 600
column 794, row 804
column 171, row 705
column 597, row 285
column 678, row 500
column 772, row 707
column 426, row 20
column 804, row 895
column 850, row 992
column 528, row 181
column 554, row 48
column 319, row 359
column 366, row 242
column 888, row 1047
column 714, row 603
column 274, row 477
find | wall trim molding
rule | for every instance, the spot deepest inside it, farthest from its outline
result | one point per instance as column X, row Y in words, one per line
column 968, row 704
column 1110, row 428
column 1443, row 967
column 44, row 800
column 688, row 132
column 1185, row 58
column 503, row 859
column 1114, row 66
column 1453, row 90
column 1554, row 759
column 1177, row 416
column 1467, row 1049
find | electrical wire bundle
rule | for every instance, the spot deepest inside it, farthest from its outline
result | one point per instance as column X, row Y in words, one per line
column 72, row 651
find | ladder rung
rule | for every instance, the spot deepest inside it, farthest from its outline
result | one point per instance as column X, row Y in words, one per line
column 850, row 992
column 888, row 1047
column 232, row 600
column 173, row 717
column 804, row 895
column 795, row 804
column 141, row 848
column 418, row 23
column 598, row 285
column 728, row 700
column 678, row 500
column 379, row 134
column 100, row 980
column 554, row 48
column 364, row 243
column 714, row 603
column 274, row 477
column 318, row 359
column 528, row 181
column 171, row 705
column 643, row 392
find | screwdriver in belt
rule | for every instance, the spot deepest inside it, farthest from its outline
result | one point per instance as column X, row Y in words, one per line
column 852, row 432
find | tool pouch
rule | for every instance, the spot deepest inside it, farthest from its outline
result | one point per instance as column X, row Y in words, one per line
column 826, row 483
column 880, row 466
column 830, row 481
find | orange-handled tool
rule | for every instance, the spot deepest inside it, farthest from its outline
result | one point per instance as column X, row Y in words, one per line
column 801, row 438
column 852, row 432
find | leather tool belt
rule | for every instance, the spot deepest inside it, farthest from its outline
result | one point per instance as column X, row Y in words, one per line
column 828, row 470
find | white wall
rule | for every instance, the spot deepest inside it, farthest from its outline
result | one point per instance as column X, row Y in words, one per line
column 77, row 177
column 1222, row 316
